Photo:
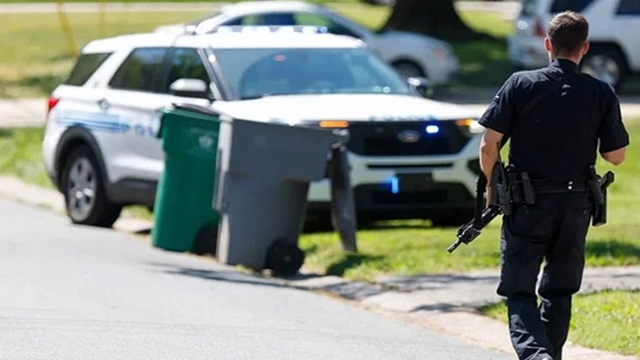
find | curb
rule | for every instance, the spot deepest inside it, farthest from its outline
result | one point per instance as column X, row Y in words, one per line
column 460, row 321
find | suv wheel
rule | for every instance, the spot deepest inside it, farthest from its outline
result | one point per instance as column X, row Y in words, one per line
column 408, row 69
column 605, row 64
column 84, row 193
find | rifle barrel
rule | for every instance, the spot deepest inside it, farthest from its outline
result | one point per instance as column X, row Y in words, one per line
column 454, row 246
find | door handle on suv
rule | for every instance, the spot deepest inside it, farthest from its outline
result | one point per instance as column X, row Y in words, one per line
column 103, row 103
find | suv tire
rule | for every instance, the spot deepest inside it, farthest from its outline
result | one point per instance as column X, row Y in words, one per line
column 84, row 191
column 408, row 69
column 601, row 59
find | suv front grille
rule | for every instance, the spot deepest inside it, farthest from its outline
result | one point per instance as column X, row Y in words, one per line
column 385, row 138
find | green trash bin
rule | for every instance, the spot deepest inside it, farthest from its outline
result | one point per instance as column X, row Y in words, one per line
column 185, row 220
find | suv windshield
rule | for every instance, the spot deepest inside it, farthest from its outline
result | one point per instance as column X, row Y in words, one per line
column 254, row 73
column 570, row 5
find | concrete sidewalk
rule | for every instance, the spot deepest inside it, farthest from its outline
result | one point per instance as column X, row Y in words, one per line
column 23, row 112
column 444, row 302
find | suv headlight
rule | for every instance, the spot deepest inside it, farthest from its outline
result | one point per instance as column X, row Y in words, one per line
column 470, row 127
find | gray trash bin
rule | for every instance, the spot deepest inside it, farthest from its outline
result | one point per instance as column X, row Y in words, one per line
column 264, row 171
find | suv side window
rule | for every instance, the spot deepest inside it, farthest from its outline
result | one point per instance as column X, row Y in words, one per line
column 184, row 63
column 85, row 66
column 139, row 70
column 271, row 19
column 570, row 5
column 629, row 7
column 311, row 19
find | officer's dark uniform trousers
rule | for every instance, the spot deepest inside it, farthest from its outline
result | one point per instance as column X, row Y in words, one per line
column 553, row 230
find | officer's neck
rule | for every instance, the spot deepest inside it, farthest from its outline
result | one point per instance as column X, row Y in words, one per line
column 573, row 59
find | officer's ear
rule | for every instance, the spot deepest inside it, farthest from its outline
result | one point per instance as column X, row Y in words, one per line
column 585, row 48
column 547, row 44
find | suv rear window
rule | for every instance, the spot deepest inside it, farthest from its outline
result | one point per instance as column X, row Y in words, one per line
column 85, row 66
column 569, row 5
column 140, row 69
column 529, row 7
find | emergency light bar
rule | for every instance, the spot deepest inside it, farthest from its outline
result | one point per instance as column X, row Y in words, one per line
column 261, row 29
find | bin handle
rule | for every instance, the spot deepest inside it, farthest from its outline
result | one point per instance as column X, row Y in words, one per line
column 196, row 108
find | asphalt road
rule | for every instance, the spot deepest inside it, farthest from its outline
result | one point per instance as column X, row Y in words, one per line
column 79, row 293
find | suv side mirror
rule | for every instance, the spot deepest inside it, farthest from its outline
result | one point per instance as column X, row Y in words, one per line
column 420, row 86
column 194, row 88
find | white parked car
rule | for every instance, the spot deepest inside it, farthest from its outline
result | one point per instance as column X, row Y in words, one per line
column 614, row 27
column 411, row 157
column 413, row 55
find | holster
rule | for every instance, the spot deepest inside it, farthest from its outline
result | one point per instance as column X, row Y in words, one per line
column 598, row 193
column 500, row 189
column 522, row 190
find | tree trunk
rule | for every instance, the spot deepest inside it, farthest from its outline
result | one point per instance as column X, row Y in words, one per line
column 437, row 18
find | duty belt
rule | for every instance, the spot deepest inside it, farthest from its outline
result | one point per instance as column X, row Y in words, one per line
column 550, row 187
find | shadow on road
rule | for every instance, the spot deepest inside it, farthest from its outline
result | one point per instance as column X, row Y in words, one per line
column 215, row 275
column 343, row 288
column 143, row 232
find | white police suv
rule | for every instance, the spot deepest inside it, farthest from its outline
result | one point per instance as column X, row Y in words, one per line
column 411, row 157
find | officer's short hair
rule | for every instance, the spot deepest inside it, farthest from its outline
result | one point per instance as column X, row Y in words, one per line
column 568, row 31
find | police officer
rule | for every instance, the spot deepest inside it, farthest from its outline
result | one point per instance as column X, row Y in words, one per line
column 555, row 143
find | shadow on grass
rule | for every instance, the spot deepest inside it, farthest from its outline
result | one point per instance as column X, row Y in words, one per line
column 6, row 133
column 45, row 83
column 351, row 261
column 614, row 249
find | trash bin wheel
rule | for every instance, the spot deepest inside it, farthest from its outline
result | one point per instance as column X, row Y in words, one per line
column 206, row 240
column 284, row 258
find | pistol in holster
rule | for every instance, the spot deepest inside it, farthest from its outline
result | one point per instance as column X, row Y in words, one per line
column 522, row 190
column 500, row 189
column 598, row 190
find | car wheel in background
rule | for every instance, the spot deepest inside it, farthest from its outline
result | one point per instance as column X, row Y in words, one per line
column 606, row 64
column 408, row 69
column 84, row 190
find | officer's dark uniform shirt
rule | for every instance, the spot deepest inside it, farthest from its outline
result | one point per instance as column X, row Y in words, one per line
column 560, row 138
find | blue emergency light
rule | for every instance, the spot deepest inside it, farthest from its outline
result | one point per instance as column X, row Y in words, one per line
column 432, row 129
column 395, row 185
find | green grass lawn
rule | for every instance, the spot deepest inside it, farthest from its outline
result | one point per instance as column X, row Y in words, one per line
column 410, row 248
column 405, row 247
column 21, row 156
column 607, row 321
column 35, row 53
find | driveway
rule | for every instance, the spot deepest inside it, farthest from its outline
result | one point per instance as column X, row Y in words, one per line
column 72, row 292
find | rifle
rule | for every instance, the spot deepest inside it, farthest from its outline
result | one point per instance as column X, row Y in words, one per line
column 471, row 230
